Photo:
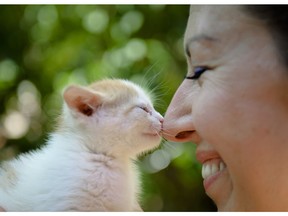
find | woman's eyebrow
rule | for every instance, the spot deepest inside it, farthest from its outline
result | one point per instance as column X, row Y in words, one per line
column 197, row 38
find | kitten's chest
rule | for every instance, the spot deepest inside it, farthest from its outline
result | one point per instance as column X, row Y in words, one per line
column 111, row 185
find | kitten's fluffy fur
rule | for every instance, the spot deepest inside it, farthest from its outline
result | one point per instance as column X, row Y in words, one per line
column 86, row 164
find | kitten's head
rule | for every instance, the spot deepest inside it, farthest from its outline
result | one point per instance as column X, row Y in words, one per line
column 112, row 116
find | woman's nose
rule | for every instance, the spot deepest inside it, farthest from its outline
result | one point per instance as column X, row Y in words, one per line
column 178, row 129
column 178, row 125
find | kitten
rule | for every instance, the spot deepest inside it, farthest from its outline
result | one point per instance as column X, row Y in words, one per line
column 87, row 164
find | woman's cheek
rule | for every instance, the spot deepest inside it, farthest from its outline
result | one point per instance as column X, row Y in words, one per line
column 214, row 116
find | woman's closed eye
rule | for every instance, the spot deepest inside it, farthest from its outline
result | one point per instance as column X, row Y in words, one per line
column 198, row 71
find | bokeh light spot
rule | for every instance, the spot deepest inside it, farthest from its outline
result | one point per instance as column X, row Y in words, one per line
column 8, row 70
column 132, row 21
column 28, row 99
column 96, row 21
column 47, row 16
column 159, row 159
column 136, row 49
column 16, row 125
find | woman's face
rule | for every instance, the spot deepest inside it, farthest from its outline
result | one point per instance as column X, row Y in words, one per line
column 236, row 111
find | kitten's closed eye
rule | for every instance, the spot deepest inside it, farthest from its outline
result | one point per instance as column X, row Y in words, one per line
column 145, row 108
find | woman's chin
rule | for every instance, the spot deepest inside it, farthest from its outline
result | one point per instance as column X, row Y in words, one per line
column 219, row 189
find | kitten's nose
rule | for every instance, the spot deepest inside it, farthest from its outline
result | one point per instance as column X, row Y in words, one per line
column 161, row 120
column 159, row 117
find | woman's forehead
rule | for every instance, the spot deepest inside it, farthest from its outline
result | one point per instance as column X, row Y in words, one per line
column 214, row 8
column 218, row 21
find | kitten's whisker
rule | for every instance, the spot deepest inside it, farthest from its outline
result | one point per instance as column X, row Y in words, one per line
column 165, row 133
column 161, row 133
column 157, row 132
column 165, row 139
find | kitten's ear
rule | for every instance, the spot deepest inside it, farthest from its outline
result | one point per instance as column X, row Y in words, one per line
column 82, row 100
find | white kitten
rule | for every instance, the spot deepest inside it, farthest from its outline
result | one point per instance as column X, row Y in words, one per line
column 87, row 162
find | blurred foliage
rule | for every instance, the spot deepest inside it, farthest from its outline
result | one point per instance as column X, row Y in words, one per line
column 46, row 47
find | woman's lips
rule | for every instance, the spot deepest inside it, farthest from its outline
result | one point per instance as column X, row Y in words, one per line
column 211, row 170
column 212, row 165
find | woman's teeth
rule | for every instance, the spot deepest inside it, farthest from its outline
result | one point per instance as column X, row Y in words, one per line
column 209, row 168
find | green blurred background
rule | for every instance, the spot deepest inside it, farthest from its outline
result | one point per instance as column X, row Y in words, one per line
column 45, row 47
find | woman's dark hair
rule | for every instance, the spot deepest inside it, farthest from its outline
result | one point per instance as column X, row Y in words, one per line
column 276, row 19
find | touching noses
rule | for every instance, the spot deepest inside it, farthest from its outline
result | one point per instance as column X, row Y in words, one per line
column 160, row 118
column 178, row 123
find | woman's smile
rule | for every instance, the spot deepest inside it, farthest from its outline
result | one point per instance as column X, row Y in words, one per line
column 211, row 170
column 212, row 165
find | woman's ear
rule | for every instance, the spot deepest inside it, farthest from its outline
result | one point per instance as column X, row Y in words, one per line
column 82, row 100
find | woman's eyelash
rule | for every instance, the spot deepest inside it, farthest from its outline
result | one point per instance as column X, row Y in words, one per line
column 198, row 71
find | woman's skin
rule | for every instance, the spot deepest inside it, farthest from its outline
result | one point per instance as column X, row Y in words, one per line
column 236, row 112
